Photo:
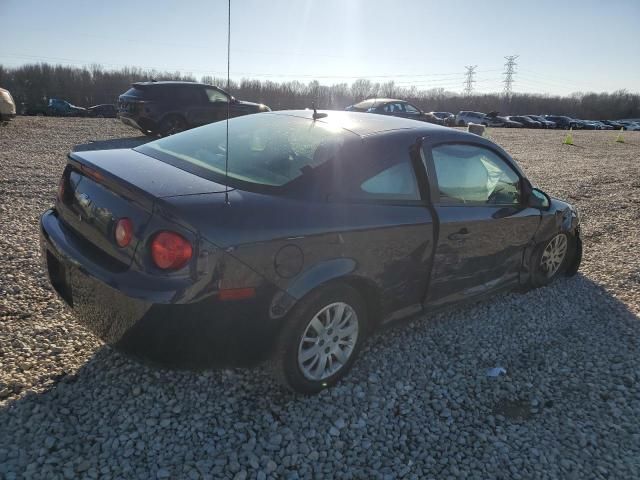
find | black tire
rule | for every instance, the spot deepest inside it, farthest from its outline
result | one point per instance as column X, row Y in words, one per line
column 172, row 124
column 539, row 277
column 284, row 363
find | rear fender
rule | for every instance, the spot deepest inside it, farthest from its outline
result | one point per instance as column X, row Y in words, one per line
column 309, row 280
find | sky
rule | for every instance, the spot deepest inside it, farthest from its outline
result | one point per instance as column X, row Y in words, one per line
column 563, row 46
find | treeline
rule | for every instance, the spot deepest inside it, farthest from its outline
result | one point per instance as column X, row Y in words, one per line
column 35, row 83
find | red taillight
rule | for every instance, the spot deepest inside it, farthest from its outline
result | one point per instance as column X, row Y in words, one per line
column 170, row 251
column 124, row 232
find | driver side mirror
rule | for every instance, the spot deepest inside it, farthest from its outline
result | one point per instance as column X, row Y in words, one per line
column 539, row 199
column 233, row 99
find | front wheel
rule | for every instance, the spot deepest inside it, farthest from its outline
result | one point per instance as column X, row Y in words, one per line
column 550, row 259
column 321, row 340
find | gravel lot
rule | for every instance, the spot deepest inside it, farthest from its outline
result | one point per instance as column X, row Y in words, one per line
column 416, row 405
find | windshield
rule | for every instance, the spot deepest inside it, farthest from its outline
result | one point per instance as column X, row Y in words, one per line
column 264, row 149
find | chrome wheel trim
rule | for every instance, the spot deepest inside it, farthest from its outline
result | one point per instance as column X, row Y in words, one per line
column 328, row 341
column 554, row 254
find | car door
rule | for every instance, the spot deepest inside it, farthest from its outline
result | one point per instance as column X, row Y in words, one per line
column 484, row 223
column 411, row 112
column 391, row 229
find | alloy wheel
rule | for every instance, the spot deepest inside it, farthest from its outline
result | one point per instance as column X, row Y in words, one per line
column 554, row 254
column 328, row 341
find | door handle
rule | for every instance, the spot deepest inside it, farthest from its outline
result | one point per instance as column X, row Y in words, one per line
column 459, row 235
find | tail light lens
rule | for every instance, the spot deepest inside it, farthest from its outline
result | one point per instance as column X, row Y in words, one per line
column 170, row 251
column 124, row 232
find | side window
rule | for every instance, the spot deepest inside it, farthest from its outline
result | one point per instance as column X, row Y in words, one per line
column 216, row 95
column 411, row 109
column 471, row 174
column 394, row 107
column 397, row 182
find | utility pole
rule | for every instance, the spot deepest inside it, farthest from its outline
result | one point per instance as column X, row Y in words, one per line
column 468, row 83
column 510, row 67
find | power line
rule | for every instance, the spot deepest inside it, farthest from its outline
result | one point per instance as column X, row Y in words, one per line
column 510, row 67
column 468, row 84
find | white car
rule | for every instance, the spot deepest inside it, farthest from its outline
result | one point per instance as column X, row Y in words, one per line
column 7, row 106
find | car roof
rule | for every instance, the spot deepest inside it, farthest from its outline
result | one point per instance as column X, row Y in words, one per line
column 365, row 124
column 173, row 83
column 379, row 101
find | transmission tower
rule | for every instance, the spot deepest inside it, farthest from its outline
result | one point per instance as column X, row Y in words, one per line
column 468, row 83
column 510, row 70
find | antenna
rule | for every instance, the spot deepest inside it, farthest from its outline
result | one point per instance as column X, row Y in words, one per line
column 508, row 74
column 468, row 83
column 317, row 115
column 226, row 150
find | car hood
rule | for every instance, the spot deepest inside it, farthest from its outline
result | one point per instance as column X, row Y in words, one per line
column 244, row 103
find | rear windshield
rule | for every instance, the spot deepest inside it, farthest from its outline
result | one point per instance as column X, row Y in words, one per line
column 265, row 149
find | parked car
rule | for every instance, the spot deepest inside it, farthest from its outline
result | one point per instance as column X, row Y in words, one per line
column 586, row 124
column 35, row 109
column 509, row 123
column 601, row 125
column 492, row 119
column 630, row 125
column 165, row 108
column 448, row 118
column 545, row 123
column 464, row 118
column 105, row 110
column 394, row 107
column 525, row 121
column 7, row 106
column 326, row 226
column 562, row 121
column 62, row 108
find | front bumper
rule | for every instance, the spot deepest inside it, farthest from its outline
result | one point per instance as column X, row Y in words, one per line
column 144, row 321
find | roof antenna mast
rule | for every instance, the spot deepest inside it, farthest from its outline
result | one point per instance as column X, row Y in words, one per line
column 226, row 150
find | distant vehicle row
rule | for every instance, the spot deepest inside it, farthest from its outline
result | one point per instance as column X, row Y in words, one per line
column 56, row 107
column 167, row 107
column 463, row 118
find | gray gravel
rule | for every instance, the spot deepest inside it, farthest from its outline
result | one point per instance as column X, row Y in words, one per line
column 416, row 405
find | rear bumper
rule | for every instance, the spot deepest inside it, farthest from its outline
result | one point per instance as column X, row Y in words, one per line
column 5, row 117
column 137, row 122
column 144, row 321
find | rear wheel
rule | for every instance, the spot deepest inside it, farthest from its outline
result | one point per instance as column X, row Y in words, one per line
column 172, row 124
column 322, row 338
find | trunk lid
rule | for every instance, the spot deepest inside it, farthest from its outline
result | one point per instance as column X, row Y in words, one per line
column 101, row 187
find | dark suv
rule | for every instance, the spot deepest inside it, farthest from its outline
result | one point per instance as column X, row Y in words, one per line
column 164, row 108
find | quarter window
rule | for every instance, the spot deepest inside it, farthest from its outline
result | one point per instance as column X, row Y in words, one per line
column 216, row 95
column 394, row 183
column 471, row 174
column 411, row 109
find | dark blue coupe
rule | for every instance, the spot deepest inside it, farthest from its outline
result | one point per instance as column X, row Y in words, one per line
column 324, row 227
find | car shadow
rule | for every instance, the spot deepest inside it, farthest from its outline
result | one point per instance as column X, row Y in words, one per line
column 111, row 395
column 114, row 143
